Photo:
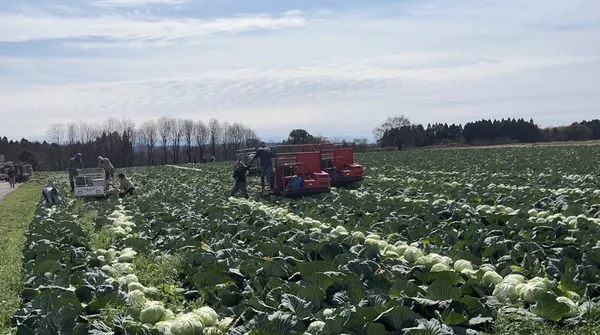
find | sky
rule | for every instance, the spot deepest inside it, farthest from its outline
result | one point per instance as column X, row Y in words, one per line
column 336, row 68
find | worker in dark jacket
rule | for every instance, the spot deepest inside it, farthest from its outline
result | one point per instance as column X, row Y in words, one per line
column 75, row 164
column 12, row 177
column 265, row 156
column 239, row 174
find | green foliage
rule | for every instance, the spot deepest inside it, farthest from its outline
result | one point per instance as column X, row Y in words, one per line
column 277, row 266
column 15, row 214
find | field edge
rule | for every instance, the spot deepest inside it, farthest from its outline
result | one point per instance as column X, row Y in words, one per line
column 16, row 212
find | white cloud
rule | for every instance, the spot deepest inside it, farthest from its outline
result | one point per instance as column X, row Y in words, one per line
column 337, row 73
column 134, row 3
column 20, row 28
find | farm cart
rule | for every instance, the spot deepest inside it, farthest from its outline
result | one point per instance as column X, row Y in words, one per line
column 91, row 183
column 299, row 173
column 338, row 161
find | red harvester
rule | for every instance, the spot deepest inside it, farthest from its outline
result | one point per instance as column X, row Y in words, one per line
column 338, row 161
column 298, row 171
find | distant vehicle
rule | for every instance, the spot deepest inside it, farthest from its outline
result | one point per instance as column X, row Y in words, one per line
column 4, row 165
column 24, row 172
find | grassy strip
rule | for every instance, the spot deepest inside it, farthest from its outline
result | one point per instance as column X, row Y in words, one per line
column 511, row 325
column 16, row 213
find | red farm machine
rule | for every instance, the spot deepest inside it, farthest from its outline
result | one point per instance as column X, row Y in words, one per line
column 307, row 169
column 338, row 161
column 298, row 171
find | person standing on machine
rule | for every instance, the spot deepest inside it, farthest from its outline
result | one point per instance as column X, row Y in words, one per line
column 265, row 156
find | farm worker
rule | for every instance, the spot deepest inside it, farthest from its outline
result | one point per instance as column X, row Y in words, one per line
column 51, row 196
column 239, row 174
column 109, row 169
column 75, row 164
column 126, row 186
column 264, row 156
column 12, row 176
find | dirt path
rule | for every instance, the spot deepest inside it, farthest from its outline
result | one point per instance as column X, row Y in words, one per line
column 5, row 190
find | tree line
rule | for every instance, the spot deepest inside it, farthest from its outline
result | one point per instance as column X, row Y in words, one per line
column 166, row 140
column 398, row 132
column 171, row 140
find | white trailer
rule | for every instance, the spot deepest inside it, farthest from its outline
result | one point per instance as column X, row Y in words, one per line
column 90, row 183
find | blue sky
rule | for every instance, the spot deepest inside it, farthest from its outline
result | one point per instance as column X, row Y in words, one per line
column 336, row 68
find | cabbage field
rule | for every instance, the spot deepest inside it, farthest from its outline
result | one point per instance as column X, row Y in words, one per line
column 434, row 242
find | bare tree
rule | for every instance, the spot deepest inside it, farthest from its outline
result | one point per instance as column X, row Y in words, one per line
column 165, row 128
column 123, row 139
column 176, row 135
column 250, row 139
column 56, row 134
column 188, row 133
column 71, row 138
column 237, row 135
column 216, row 132
column 111, row 125
column 201, row 135
column 81, row 129
column 226, row 139
column 128, row 129
column 91, row 132
column 148, row 136
column 397, row 121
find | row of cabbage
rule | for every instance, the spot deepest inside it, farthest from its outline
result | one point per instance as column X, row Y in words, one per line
column 420, row 261
column 556, row 289
column 70, row 286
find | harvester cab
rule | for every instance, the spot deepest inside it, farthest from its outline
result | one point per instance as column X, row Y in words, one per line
column 298, row 171
column 338, row 161
column 90, row 183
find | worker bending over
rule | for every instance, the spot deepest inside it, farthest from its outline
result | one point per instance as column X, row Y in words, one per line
column 50, row 194
column 239, row 174
column 265, row 156
column 126, row 186
column 109, row 169
column 75, row 164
